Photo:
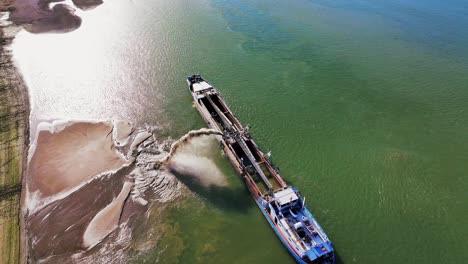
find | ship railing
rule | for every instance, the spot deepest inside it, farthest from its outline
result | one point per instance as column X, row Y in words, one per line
column 291, row 230
column 311, row 230
column 315, row 229
column 292, row 233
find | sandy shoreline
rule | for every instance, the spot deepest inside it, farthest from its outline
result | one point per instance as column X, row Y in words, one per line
column 34, row 16
column 85, row 148
column 88, row 184
column 84, row 189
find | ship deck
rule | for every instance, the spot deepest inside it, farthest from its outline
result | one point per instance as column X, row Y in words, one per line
column 219, row 116
column 259, row 182
column 271, row 179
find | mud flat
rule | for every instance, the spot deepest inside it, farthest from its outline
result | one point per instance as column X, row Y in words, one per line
column 107, row 220
column 63, row 160
column 87, row 4
column 91, row 185
column 34, row 16
column 86, row 184
column 73, row 178
column 38, row 16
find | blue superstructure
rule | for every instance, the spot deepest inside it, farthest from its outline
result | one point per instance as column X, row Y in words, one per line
column 297, row 228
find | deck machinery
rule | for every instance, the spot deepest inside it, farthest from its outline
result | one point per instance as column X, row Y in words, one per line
column 282, row 205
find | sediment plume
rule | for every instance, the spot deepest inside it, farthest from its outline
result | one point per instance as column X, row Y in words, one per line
column 201, row 170
column 194, row 159
column 187, row 137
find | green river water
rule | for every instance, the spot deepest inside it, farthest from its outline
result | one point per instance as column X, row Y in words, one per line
column 363, row 112
column 364, row 105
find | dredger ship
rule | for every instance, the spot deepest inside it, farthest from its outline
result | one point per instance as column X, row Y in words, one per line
column 281, row 204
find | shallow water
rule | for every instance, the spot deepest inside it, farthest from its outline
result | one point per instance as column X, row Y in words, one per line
column 363, row 104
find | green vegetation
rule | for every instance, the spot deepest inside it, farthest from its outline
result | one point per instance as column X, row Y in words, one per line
column 10, row 182
column 13, row 136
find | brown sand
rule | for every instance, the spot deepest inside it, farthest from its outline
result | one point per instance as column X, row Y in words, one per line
column 87, row 4
column 107, row 219
column 56, row 231
column 65, row 159
column 36, row 16
column 61, row 18
column 123, row 130
column 7, row 5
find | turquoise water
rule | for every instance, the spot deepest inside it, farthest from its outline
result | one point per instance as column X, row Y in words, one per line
column 364, row 105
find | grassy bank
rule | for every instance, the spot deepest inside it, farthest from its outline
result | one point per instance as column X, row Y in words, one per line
column 13, row 142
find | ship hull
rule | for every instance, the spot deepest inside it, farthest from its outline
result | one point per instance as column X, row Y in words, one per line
column 278, row 232
column 260, row 196
column 251, row 187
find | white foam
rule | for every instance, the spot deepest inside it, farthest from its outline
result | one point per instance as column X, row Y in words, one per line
column 195, row 159
column 4, row 16
column 140, row 137
column 122, row 131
